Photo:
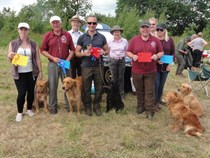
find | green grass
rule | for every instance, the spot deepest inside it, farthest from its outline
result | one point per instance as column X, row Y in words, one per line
column 123, row 135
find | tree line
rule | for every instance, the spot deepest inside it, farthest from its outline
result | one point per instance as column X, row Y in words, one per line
column 183, row 17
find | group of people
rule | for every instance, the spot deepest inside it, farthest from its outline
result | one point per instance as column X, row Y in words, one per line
column 189, row 53
column 77, row 47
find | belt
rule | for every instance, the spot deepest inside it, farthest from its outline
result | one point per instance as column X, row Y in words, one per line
column 117, row 58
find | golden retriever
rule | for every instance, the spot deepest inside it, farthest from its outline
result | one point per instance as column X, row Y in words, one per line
column 183, row 116
column 73, row 90
column 41, row 95
column 191, row 100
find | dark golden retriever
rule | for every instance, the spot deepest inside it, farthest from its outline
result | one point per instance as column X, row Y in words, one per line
column 73, row 90
column 41, row 95
column 190, row 99
column 183, row 116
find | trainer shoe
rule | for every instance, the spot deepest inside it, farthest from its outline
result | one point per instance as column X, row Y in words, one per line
column 19, row 117
column 30, row 113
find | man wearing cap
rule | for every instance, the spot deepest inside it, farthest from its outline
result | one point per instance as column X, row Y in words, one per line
column 117, row 46
column 75, row 32
column 92, row 68
column 145, row 49
column 57, row 44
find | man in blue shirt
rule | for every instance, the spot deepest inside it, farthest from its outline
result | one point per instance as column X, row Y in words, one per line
column 92, row 68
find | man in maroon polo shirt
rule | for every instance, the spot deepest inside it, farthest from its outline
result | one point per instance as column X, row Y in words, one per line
column 141, row 49
column 57, row 44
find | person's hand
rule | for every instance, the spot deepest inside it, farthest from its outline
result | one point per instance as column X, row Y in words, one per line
column 86, row 52
column 11, row 55
column 154, row 57
column 168, row 68
column 185, row 52
column 135, row 57
column 40, row 75
column 56, row 60
column 102, row 52
column 159, row 62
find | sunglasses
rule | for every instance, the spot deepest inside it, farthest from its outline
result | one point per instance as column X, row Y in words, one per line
column 159, row 30
column 89, row 23
column 152, row 24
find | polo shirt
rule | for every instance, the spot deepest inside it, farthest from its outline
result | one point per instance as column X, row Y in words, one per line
column 136, row 45
column 98, row 40
column 58, row 45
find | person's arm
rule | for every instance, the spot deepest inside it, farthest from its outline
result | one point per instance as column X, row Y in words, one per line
column 71, row 48
column 70, row 56
column 80, row 53
column 159, row 53
column 132, row 56
column 105, row 50
column 157, row 56
column 46, row 54
column 190, row 44
column 204, row 43
column 10, row 54
column 38, row 60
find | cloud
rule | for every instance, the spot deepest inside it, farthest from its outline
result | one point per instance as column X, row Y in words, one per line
column 15, row 4
column 104, row 8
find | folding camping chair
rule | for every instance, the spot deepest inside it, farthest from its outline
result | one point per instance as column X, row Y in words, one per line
column 203, row 77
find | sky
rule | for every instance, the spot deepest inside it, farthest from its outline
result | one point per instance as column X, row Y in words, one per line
column 107, row 7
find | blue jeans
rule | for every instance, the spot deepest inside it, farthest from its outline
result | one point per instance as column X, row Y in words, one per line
column 159, row 85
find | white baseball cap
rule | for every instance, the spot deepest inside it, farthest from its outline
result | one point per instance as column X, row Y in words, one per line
column 23, row 24
column 55, row 18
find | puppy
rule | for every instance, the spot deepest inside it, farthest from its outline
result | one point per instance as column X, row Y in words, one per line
column 73, row 90
column 191, row 100
column 41, row 95
column 113, row 97
column 182, row 115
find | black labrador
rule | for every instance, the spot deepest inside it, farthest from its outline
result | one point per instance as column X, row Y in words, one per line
column 113, row 98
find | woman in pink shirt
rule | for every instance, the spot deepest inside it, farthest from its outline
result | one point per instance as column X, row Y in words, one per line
column 118, row 47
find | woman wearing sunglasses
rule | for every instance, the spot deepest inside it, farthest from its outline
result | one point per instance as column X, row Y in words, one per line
column 162, row 68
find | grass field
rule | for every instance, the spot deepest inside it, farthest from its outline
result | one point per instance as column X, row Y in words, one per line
column 123, row 135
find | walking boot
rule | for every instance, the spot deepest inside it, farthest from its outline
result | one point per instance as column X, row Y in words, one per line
column 98, row 111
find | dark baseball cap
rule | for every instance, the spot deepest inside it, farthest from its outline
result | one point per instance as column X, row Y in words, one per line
column 161, row 26
column 145, row 23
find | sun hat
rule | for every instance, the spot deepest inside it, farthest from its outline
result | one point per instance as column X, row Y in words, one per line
column 23, row 24
column 55, row 18
column 116, row 28
column 75, row 18
column 145, row 23
column 161, row 26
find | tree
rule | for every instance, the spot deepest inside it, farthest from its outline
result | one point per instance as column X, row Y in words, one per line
column 9, row 19
column 67, row 8
column 131, row 23
column 179, row 14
